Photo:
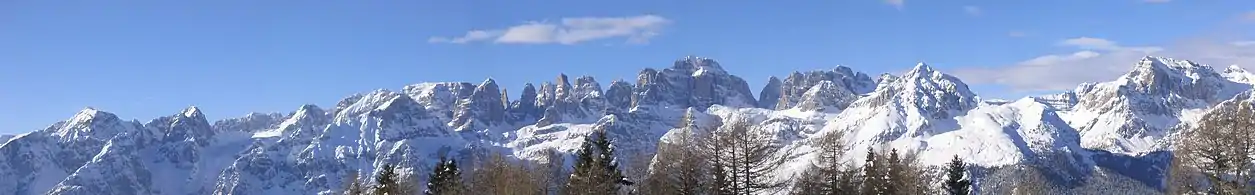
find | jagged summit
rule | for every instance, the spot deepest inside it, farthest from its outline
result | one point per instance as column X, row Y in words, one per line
column 308, row 107
column 193, row 112
column 1238, row 74
column 1135, row 112
column 920, row 69
column 88, row 113
column 698, row 65
column 924, row 110
column 1234, row 68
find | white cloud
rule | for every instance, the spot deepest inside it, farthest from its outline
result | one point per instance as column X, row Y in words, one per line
column 1104, row 45
column 896, row 3
column 972, row 10
column 1099, row 60
column 474, row 35
column 635, row 29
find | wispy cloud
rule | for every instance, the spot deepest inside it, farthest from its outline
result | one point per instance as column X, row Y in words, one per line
column 1249, row 16
column 896, row 3
column 972, row 10
column 474, row 35
column 635, row 29
column 1095, row 60
column 1091, row 43
column 1099, row 60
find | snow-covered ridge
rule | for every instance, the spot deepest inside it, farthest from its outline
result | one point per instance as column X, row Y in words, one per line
column 310, row 150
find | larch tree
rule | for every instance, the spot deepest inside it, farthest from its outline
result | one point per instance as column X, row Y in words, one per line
column 1218, row 151
column 829, row 176
column 680, row 166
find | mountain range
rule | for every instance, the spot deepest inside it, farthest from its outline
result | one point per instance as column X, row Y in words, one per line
column 1115, row 131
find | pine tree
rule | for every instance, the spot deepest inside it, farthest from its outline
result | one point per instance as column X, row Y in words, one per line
column 389, row 182
column 893, row 173
column 955, row 183
column 873, row 179
column 596, row 170
column 445, row 179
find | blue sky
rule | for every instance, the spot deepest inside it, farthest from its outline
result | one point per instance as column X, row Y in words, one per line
column 143, row 59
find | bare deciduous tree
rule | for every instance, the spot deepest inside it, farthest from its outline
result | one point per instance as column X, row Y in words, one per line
column 679, row 167
column 1215, row 156
column 746, row 153
column 829, row 176
column 497, row 175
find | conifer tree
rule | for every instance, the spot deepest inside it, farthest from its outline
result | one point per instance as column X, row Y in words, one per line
column 389, row 182
column 873, row 178
column 893, row 173
column 596, row 170
column 955, row 183
column 445, row 179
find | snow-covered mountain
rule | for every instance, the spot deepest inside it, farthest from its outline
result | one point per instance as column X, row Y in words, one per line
column 1134, row 113
column 1118, row 127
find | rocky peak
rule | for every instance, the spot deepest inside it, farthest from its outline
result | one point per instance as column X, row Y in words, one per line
column 546, row 96
column 562, row 91
column 187, row 126
column 650, row 86
column 770, row 95
column 403, row 117
column 525, row 106
column 1060, row 101
column 798, row 83
column 619, row 95
column 826, row 96
column 1237, row 74
column 586, row 87
column 440, row 98
column 88, row 123
column 400, row 104
column 1139, row 108
column 934, row 93
column 698, row 65
column 354, row 106
column 193, row 112
column 922, row 70
column 691, row 82
column 253, row 122
column 304, row 124
column 1157, row 75
column 484, row 106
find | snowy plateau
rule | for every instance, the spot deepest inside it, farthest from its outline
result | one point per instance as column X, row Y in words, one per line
column 1114, row 132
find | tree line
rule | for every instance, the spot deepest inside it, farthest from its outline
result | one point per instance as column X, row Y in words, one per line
column 732, row 158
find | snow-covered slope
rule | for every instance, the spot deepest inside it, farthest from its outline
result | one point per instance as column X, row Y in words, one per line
column 1135, row 112
column 1112, row 127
